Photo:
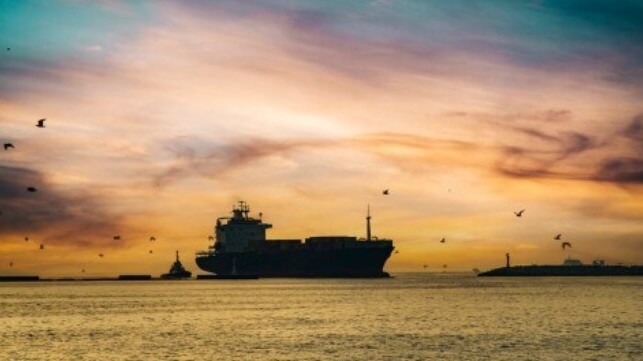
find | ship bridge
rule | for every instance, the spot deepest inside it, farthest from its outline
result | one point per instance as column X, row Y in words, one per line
column 240, row 233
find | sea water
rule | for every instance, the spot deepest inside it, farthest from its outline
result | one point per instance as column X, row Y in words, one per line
column 407, row 317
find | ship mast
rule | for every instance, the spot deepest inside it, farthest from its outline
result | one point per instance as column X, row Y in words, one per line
column 368, row 222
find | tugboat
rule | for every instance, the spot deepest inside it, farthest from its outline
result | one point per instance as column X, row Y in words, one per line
column 177, row 271
column 242, row 249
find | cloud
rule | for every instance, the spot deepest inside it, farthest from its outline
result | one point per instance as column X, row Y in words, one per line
column 621, row 170
column 634, row 130
column 51, row 214
column 196, row 156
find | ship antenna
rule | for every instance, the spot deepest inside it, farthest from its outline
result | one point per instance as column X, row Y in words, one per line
column 177, row 255
column 368, row 222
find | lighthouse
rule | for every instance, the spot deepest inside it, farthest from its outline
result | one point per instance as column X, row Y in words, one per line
column 368, row 222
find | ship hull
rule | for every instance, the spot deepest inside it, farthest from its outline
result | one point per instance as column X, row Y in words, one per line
column 336, row 263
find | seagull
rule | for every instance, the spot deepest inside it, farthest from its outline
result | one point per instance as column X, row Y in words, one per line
column 425, row 266
column 558, row 236
column 151, row 251
column 117, row 237
column 210, row 238
column 8, row 145
column 566, row 244
column 444, row 266
column 385, row 192
column 32, row 189
column 396, row 252
column 519, row 214
column 83, row 270
column 101, row 255
column 443, row 240
column 26, row 239
column 8, row 49
column 41, row 123
column 11, row 264
column 42, row 246
column 152, row 239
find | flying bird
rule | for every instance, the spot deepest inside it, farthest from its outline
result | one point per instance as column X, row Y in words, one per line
column 425, row 266
column 151, row 251
column 444, row 266
column 152, row 239
column 8, row 145
column 8, row 49
column 42, row 246
column 443, row 240
column 32, row 189
column 210, row 238
column 519, row 214
column 41, row 123
column 396, row 252
column 83, row 270
column 558, row 236
column 11, row 264
column 566, row 244
column 26, row 239
column 117, row 237
column 101, row 255
column 385, row 192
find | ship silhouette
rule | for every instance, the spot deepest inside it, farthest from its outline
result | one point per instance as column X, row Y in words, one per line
column 241, row 248
column 177, row 271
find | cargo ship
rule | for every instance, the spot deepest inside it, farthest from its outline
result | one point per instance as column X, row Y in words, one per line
column 570, row 267
column 241, row 248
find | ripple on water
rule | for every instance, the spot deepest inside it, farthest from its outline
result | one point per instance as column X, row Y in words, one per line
column 410, row 317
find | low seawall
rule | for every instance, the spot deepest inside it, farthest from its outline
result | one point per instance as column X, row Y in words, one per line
column 563, row 271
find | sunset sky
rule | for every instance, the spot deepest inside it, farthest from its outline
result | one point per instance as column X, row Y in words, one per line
column 162, row 114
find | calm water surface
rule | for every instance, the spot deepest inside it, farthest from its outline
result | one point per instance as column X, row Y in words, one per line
column 409, row 317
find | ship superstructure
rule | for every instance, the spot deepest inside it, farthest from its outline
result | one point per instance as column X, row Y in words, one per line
column 241, row 247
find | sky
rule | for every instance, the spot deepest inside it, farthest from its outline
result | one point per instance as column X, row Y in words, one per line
column 162, row 114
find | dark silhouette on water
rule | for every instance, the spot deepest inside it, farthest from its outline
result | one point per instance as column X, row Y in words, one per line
column 177, row 271
column 570, row 267
column 241, row 247
column 41, row 123
column 8, row 145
